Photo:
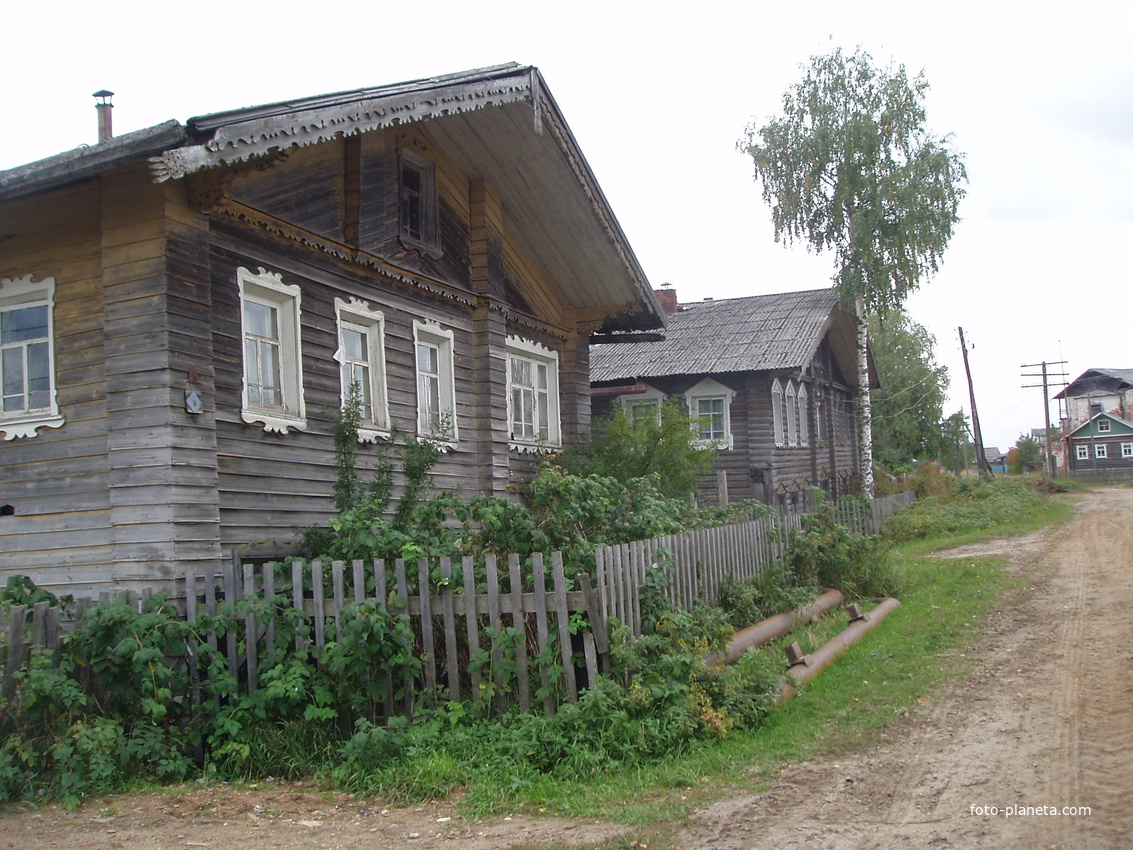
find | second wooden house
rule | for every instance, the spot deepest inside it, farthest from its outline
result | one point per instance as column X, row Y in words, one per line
column 769, row 381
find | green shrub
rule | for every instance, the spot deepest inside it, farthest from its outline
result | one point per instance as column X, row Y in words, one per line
column 971, row 504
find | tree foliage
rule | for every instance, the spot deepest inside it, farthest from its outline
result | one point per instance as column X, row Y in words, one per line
column 850, row 167
column 1027, row 450
column 909, row 404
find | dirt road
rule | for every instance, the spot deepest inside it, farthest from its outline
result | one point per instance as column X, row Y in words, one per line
column 1046, row 720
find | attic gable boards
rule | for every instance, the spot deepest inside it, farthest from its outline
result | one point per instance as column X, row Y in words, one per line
column 342, row 196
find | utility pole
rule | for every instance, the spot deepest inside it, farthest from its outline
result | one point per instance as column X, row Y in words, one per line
column 1045, row 375
column 981, row 458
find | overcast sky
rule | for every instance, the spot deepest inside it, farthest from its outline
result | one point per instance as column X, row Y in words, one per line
column 1040, row 102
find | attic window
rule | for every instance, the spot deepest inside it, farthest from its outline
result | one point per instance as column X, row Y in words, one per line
column 418, row 205
column 1103, row 426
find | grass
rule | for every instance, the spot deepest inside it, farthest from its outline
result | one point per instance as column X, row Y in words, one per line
column 890, row 674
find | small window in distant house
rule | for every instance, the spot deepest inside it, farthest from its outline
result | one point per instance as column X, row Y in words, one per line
column 1127, row 450
column 777, row 411
column 792, row 415
column 27, row 357
column 709, row 405
column 1082, row 452
column 1103, row 426
column 418, row 200
column 436, row 383
column 1100, row 450
column 273, row 355
column 362, row 364
column 804, row 435
column 644, row 406
column 533, row 393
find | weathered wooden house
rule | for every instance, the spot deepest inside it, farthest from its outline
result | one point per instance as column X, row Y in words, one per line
column 770, row 381
column 183, row 309
column 1100, row 447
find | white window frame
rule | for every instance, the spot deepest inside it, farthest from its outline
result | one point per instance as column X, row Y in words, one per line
column 791, row 411
column 267, row 288
column 1126, row 450
column 1104, row 426
column 804, row 430
column 1101, row 452
column 1082, row 452
column 547, row 415
column 777, row 412
column 709, row 389
column 357, row 315
column 653, row 396
column 17, row 294
column 431, row 334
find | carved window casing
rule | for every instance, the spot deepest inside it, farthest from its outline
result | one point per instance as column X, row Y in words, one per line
column 644, row 406
column 436, row 382
column 792, row 415
column 273, row 352
column 533, row 394
column 28, row 398
column 710, row 406
column 804, row 431
column 362, row 363
column 777, row 412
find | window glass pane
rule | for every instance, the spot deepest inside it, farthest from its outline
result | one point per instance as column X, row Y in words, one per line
column 428, row 358
column 12, row 367
column 354, row 344
column 23, row 324
column 260, row 320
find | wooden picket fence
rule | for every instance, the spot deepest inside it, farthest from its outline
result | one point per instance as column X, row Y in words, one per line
column 554, row 623
column 701, row 560
column 449, row 624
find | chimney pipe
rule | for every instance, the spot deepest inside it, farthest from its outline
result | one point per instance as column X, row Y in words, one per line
column 105, row 125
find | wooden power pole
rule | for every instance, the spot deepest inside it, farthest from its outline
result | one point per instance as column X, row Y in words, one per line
column 981, row 458
column 1046, row 403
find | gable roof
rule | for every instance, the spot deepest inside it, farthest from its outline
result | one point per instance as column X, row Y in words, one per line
column 1098, row 382
column 498, row 123
column 1088, row 424
column 760, row 333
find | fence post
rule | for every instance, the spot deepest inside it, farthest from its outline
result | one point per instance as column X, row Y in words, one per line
column 519, row 624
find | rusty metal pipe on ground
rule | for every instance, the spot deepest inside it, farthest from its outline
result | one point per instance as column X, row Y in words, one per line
column 824, row 656
column 773, row 628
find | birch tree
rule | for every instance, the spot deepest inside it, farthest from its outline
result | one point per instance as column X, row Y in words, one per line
column 850, row 167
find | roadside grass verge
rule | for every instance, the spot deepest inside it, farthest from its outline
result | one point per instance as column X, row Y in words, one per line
column 890, row 674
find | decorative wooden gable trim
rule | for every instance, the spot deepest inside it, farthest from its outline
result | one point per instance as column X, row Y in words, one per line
column 244, row 140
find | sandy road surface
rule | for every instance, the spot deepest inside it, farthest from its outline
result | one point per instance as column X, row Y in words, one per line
column 1045, row 720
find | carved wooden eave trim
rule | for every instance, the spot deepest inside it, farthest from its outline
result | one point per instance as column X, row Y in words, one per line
column 517, row 319
column 241, row 141
column 235, row 211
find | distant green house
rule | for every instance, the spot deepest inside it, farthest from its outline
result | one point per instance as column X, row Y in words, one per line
column 1101, row 445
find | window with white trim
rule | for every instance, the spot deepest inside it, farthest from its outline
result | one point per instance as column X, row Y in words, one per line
column 362, row 362
column 804, row 431
column 644, row 406
column 777, row 411
column 1103, row 426
column 792, row 415
column 1127, row 450
column 533, row 393
column 1101, row 451
column 28, row 399
column 436, row 382
column 1082, row 452
column 273, row 352
column 709, row 405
